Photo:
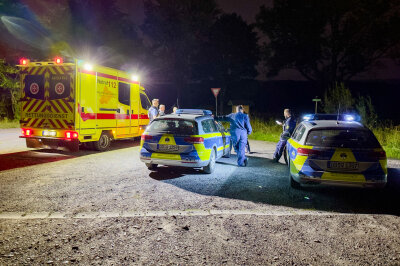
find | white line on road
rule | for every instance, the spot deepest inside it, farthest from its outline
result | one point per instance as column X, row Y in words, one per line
column 124, row 214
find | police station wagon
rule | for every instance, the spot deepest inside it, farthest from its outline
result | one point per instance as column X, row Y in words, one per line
column 189, row 138
column 340, row 152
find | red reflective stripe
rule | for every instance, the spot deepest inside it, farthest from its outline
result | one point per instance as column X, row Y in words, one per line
column 41, row 122
column 54, row 106
column 134, row 116
column 103, row 75
column 40, row 105
column 68, row 105
column 51, row 122
column 61, row 106
column 144, row 117
column 59, row 123
column 34, row 122
column 33, row 105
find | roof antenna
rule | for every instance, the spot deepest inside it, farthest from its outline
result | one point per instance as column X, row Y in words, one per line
column 338, row 113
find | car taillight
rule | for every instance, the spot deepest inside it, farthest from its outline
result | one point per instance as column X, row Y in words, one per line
column 146, row 137
column 306, row 152
column 71, row 135
column 194, row 140
column 27, row 132
column 380, row 155
column 24, row 61
column 58, row 60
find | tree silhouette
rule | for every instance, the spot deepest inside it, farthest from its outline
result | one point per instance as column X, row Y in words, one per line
column 328, row 41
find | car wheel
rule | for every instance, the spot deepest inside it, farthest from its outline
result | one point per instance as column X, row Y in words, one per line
column 103, row 143
column 228, row 151
column 211, row 163
column 285, row 155
column 151, row 166
column 293, row 183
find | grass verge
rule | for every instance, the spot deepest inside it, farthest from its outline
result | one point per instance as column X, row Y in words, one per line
column 5, row 123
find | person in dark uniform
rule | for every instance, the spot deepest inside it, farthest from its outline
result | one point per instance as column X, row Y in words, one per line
column 288, row 128
column 239, row 128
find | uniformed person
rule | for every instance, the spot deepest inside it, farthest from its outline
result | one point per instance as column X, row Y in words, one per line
column 153, row 110
column 239, row 127
column 288, row 128
column 161, row 111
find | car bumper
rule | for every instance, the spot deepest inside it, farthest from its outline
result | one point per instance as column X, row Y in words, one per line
column 191, row 162
column 379, row 182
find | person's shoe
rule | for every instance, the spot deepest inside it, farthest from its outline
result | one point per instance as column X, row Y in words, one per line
column 246, row 162
column 275, row 160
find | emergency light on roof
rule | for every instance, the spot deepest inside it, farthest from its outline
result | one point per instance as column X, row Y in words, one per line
column 193, row 112
column 58, row 60
column 23, row 61
column 88, row 67
column 342, row 117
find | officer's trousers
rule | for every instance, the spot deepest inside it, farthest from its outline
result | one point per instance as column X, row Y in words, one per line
column 239, row 141
column 279, row 148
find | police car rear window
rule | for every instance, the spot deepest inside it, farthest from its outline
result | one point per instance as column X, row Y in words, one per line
column 173, row 126
column 346, row 138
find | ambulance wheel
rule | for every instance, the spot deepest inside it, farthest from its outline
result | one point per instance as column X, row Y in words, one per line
column 211, row 163
column 104, row 142
column 151, row 166
column 293, row 183
column 228, row 151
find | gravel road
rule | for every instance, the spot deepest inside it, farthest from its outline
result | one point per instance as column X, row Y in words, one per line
column 107, row 208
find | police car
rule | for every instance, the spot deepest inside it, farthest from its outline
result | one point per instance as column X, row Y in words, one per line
column 336, row 150
column 188, row 138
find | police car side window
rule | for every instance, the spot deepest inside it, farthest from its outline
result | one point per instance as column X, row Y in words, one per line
column 209, row 126
column 300, row 133
column 296, row 132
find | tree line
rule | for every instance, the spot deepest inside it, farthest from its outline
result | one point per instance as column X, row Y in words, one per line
column 186, row 42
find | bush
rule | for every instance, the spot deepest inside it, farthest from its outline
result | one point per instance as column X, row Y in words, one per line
column 338, row 98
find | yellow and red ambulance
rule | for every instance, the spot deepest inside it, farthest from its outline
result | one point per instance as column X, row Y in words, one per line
column 65, row 104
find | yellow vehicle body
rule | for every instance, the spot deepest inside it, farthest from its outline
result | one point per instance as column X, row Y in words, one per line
column 69, row 104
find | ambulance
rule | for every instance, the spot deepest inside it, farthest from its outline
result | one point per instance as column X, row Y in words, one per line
column 68, row 104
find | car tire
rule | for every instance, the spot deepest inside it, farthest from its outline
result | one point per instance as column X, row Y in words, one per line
column 211, row 163
column 285, row 155
column 228, row 152
column 293, row 183
column 103, row 143
column 151, row 166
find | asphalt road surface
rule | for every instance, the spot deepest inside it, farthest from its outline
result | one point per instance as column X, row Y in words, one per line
column 107, row 208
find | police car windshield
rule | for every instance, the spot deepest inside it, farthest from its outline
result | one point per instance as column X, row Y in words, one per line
column 173, row 126
column 347, row 138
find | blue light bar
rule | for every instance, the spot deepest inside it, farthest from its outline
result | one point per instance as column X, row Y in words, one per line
column 193, row 112
column 342, row 117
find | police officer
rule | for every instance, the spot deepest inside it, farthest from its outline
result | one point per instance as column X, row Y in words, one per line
column 288, row 128
column 239, row 127
column 153, row 110
column 161, row 112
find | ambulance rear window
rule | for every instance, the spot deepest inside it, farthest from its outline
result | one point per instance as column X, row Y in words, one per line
column 346, row 138
column 173, row 126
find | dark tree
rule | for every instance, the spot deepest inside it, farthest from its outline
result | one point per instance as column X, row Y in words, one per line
column 175, row 31
column 328, row 41
column 229, row 54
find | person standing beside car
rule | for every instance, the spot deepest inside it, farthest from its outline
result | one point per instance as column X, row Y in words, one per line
column 239, row 128
column 288, row 128
column 161, row 111
column 153, row 110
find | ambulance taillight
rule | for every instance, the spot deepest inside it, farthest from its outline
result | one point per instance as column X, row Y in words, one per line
column 71, row 135
column 27, row 132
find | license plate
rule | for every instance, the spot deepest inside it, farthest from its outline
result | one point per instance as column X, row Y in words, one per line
column 343, row 165
column 165, row 147
column 48, row 133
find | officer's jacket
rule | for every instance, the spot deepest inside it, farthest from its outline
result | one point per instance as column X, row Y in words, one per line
column 238, row 120
column 288, row 127
column 153, row 113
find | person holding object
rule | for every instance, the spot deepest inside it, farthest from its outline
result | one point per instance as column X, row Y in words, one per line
column 153, row 110
column 288, row 128
column 239, row 127
column 161, row 110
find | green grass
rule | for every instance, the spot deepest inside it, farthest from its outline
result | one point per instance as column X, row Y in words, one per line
column 5, row 123
column 268, row 130
column 389, row 137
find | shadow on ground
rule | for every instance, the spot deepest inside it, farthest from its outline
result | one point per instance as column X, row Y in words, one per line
column 40, row 156
column 264, row 181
